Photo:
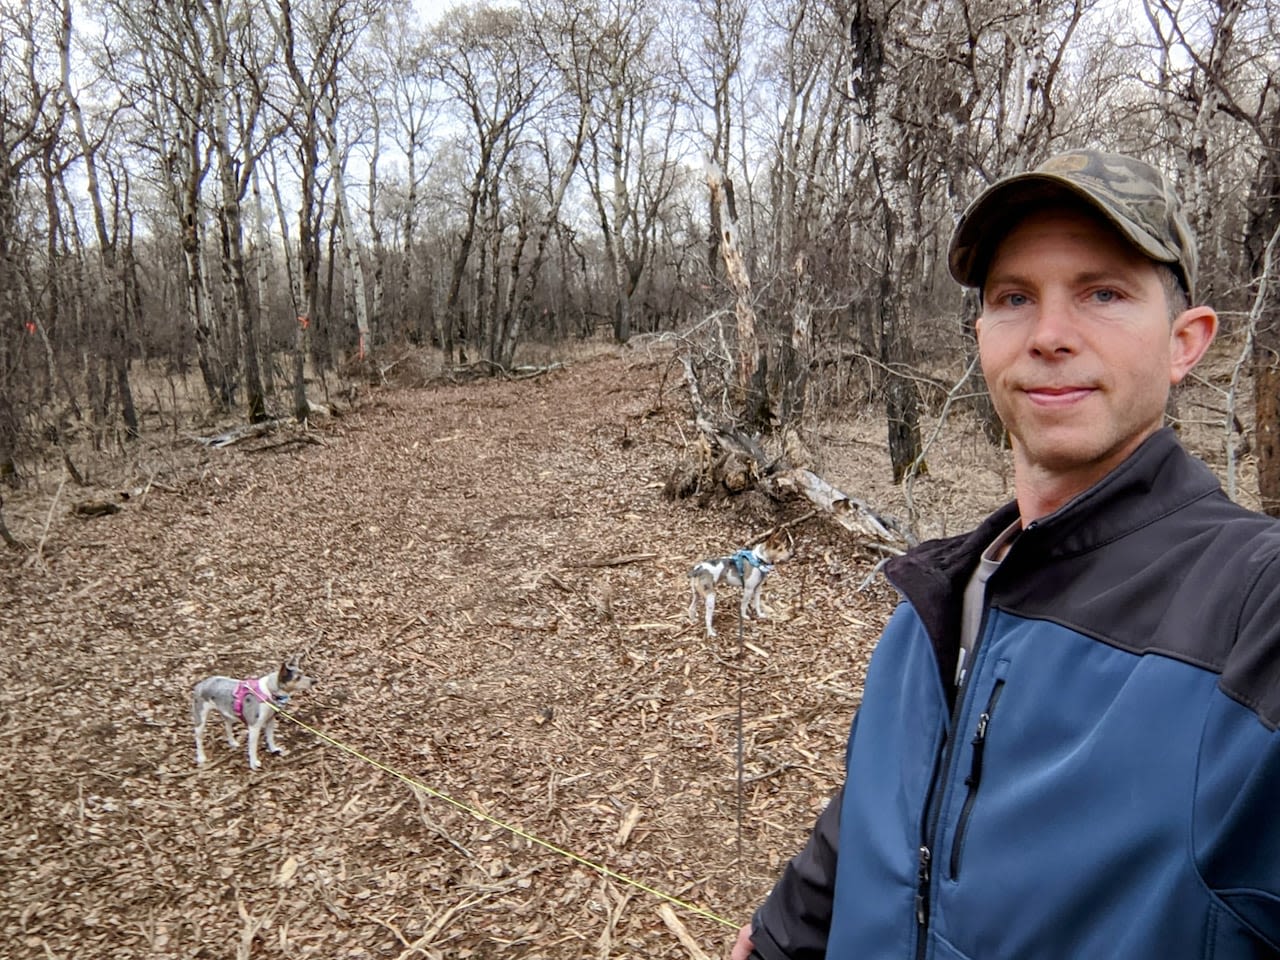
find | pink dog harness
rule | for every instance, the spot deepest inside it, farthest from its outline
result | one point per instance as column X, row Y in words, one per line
column 244, row 688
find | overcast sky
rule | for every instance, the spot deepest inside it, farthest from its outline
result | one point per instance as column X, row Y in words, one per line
column 431, row 9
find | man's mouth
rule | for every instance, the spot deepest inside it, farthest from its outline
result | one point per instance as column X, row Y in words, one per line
column 1057, row 396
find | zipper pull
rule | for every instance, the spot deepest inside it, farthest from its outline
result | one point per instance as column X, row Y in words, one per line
column 922, row 887
column 979, row 743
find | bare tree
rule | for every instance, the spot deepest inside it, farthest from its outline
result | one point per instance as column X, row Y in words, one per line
column 315, row 37
column 408, row 112
column 630, row 157
column 1232, row 50
column 30, row 118
column 807, row 166
column 482, row 58
column 106, row 230
column 716, row 59
column 235, row 168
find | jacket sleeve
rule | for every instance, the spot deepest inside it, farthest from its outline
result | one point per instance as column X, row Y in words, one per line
column 793, row 922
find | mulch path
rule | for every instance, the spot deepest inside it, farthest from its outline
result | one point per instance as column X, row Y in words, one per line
column 491, row 590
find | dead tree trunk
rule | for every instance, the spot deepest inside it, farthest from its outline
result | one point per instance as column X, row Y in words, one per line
column 752, row 364
column 737, row 462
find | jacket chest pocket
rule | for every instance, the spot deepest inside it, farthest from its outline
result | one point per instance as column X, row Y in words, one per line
column 973, row 776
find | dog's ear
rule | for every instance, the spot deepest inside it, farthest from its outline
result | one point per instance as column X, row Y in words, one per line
column 782, row 543
column 290, row 669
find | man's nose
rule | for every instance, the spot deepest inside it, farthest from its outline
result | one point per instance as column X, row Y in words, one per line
column 1055, row 330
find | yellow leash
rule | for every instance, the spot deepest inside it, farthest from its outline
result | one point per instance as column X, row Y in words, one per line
column 597, row 867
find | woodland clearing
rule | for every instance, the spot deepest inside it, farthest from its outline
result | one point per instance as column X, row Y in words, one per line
column 491, row 589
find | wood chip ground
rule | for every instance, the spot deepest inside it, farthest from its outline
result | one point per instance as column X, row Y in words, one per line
column 492, row 593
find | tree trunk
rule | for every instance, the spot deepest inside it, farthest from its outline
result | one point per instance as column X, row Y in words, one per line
column 1266, row 398
column 117, row 345
column 751, row 366
column 454, row 330
column 354, row 273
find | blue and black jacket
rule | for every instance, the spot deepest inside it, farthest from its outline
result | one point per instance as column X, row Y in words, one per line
column 1106, row 782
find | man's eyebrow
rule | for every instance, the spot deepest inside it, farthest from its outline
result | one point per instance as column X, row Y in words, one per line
column 1112, row 274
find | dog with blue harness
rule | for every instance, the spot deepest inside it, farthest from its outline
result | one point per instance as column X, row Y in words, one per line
column 747, row 568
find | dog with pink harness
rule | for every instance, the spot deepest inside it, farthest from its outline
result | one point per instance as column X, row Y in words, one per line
column 253, row 700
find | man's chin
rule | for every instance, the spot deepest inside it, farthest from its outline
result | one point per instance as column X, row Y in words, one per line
column 1073, row 453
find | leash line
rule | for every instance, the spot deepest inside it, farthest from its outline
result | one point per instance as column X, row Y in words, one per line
column 741, row 750
column 516, row 831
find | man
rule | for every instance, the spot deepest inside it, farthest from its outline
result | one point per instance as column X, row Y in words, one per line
column 1067, row 742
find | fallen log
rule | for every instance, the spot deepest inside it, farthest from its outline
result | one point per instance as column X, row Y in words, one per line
column 236, row 434
column 856, row 516
column 95, row 508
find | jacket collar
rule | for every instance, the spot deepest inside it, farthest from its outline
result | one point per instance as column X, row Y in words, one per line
column 1157, row 479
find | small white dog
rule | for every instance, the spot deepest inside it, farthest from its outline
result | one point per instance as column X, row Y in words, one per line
column 252, row 700
column 746, row 569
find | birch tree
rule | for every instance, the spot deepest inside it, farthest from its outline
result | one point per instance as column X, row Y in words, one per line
column 314, row 37
column 630, row 148
column 106, row 231
column 483, row 60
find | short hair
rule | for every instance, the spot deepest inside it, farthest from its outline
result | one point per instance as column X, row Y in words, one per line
column 1175, row 294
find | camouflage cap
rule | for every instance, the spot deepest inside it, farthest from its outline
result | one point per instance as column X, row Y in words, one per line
column 1133, row 196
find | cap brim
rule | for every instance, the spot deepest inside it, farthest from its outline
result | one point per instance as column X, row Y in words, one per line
column 997, row 211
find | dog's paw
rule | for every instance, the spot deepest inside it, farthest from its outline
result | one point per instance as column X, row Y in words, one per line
column 278, row 751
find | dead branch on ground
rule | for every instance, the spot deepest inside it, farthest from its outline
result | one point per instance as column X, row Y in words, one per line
column 615, row 561
column 242, row 432
column 857, row 516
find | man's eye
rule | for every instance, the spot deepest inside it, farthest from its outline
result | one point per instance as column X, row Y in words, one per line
column 1105, row 296
column 1016, row 299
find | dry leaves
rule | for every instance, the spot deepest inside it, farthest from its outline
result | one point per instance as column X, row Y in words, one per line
column 491, row 591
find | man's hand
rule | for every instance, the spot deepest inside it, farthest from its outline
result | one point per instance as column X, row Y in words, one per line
column 743, row 947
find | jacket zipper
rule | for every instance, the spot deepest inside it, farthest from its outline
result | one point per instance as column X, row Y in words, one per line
column 924, row 861
column 923, row 855
column 979, row 743
column 932, row 812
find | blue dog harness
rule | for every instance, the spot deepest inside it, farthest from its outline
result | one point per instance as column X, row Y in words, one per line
column 743, row 557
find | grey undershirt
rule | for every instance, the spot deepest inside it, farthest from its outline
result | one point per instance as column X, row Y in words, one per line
column 975, row 595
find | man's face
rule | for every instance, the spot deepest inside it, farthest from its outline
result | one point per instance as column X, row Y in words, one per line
column 1077, row 346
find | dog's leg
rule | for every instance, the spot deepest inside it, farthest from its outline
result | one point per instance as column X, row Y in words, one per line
column 710, row 601
column 201, row 712
column 270, row 731
column 231, row 731
column 758, row 594
column 693, row 601
column 254, row 763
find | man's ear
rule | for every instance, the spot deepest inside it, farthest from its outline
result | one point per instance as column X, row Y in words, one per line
column 1193, row 331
